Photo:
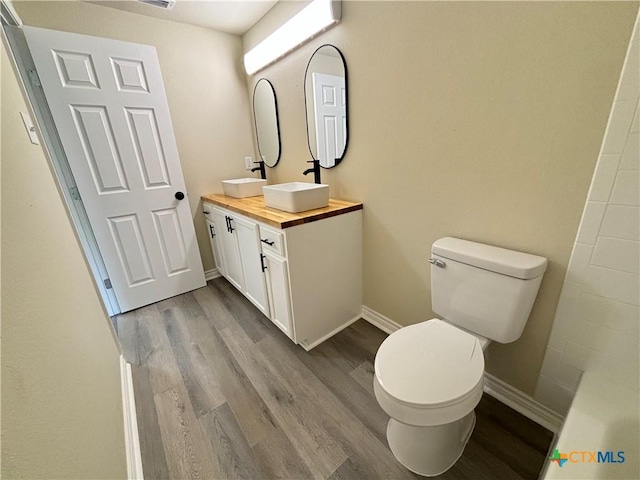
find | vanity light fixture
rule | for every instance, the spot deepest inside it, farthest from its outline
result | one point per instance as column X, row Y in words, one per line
column 311, row 20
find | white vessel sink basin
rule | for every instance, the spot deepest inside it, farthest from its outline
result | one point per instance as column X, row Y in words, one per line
column 243, row 187
column 296, row 196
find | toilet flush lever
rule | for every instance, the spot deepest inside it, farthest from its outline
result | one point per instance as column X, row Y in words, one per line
column 437, row 262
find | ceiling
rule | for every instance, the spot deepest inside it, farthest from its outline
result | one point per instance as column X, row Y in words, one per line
column 230, row 16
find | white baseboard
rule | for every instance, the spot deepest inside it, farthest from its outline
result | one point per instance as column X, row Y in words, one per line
column 501, row 391
column 132, row 440
column 331, row 334
column 522, row 403
column 211, row 274
column 377, row 319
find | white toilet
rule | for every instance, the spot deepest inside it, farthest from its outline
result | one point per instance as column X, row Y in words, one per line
column 429, row 376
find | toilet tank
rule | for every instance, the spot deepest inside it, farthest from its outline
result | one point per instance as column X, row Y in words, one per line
column 484, row 289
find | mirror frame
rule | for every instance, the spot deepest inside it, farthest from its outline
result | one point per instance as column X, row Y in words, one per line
column 306, row 105
column 255, row 120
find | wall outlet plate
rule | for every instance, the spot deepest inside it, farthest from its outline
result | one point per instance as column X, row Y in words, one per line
column 248, row 163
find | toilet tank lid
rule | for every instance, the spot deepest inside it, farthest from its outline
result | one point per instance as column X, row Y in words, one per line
column 495, row 259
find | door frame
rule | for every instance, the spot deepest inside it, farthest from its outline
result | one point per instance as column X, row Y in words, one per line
column 14, row 40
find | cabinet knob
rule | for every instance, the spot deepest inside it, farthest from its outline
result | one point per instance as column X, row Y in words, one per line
column 266, row 240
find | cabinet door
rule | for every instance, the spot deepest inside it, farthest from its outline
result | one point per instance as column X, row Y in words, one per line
column 278, row 287
column 255, row 282
column 229, row 248
column 215, row 246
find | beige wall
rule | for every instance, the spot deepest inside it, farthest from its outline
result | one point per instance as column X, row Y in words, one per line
column 204, row 82
column 61, row 397
column 481, row 120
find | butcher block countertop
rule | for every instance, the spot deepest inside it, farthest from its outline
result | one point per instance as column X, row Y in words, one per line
column 255, row 208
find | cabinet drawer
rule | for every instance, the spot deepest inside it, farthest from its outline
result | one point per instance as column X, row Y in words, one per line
column 207, row 210
column 272, row 240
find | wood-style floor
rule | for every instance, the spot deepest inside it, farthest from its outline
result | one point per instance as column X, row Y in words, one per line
column 222, row 393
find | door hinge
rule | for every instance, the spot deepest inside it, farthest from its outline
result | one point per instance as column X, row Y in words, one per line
column 75, row 194
column 107, row 283
column 34, row 78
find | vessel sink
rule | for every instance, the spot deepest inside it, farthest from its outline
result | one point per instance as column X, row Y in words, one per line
column 296, row 196
column 243, row 187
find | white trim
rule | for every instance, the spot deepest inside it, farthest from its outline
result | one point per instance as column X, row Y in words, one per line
column 377, row 319
column 522, row 403
column 498, row 389
column 131, row 438
column 211, row 274
column 330, row 334
column 9, row 14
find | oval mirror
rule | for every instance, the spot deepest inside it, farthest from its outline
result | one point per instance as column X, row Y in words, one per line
column 265, row 114
column 325, row 92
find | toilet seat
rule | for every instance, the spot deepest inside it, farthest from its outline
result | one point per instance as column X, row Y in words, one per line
column 429, row 373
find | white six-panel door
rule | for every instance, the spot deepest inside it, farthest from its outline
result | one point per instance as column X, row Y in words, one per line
column 108, row 102
column 330, row 103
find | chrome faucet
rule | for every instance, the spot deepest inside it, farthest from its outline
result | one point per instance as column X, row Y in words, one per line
column 263, row 173
column 315, row 169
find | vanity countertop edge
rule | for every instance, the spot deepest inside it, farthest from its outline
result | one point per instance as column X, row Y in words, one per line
column 254, row 207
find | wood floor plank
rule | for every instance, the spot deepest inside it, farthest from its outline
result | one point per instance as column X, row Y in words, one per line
column 521, row 456
column 198, row 378
column 233, row 453
column 372, row 337
column 355, row 439
column 277, row 458
column 295, row 415
column 476, row 463
column 363, row 374
column 365, row 336
column 222, row 393
column 155, row 350
column 127, row 331
column 350, row 345
column 322, row 363
column 491, row 410
column 350, row 471
column 242, row 310
column 188, row 453
column 312, row 443
column 154, row 462
column 187, row 304
column 167, row 303
column 253, row 415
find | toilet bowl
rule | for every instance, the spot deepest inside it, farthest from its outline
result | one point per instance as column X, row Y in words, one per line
column 429, row 376
column 428, row 379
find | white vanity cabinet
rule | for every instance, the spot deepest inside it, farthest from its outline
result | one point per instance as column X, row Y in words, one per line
column 236, row 248
column 251, row 261
column 277, row 273
column 303, row 271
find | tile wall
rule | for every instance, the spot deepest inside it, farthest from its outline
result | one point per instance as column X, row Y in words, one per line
column 598, row 316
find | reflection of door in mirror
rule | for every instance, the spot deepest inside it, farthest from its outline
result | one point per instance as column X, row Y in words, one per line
column 265, row 113
column 326, row 102
column 329, row 102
